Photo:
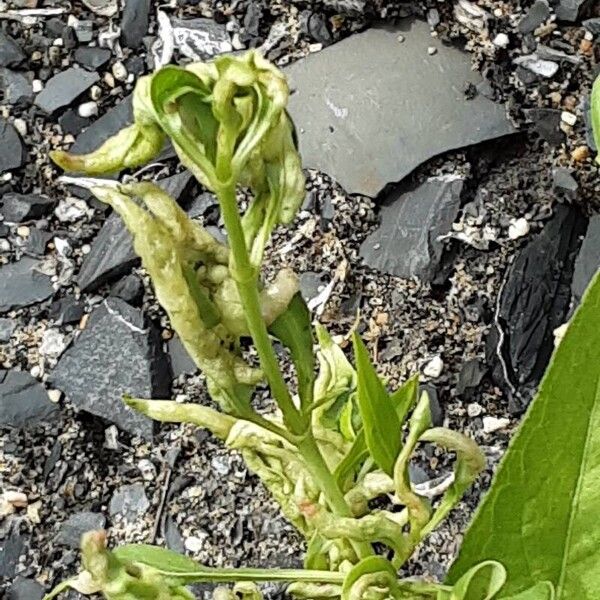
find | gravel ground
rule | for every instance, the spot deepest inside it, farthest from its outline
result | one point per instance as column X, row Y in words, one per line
column 184, row 488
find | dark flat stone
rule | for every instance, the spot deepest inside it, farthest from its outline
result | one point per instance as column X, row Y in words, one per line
column 11, row 54
column 535, row 16
column 355, row 106
column 181, row 361
column 64, row 88
column 134, row 22
column 12, row 150
column 16, row 208
column 21, row 285
column 200, row 39
column 406, row 243
column 25, row 589
column 15, row 87
column 568, row 10
column 71, row 122
column 118, row 353
column 546, row 123
column 588, row 259
column 23, row 400
column 130, row 501
column 535, row 300
column 76, row 525
column 7, row 327
column 130, row 289
column 66, row 311
column 92, row 58
column 11, row 548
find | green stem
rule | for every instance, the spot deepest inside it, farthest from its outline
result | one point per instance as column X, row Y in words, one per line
column 246, row 278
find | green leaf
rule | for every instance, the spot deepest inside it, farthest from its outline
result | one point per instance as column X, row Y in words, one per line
column 376, row 571
column 541, row 591
column 405, row 397
column 381, row 424
column 596, row 115
column 540, row 517
column 482, row 582
column 293, row 329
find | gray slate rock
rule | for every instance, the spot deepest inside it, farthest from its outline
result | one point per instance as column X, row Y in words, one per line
column 11, row 54
column 66, row 311
column 76, row 525
column 535, row 16
column 546, row 123
column 92, row 58
column 11, row 548
column 12, row 150
column 22, row 207
column 200, row 39
column 130, row 289
column 7, row 327
column 112, row 254
column 130, row 501
column 21, row 284
column 406, row 242
column 367, row 130
column 568, row 10
column 564, row 182
column 25, row 589
column 23, row 400
column 15, row 87
column 118, row 353
column 588, row 259
column 134, row 22
column 592, row 25
column 100, row 130
column 181, row 361
column 64, row 88
column 535, row 300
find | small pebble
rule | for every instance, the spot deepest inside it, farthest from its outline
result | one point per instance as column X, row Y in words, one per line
column 23, row 231
column 431, row 50
column 474, row 409
column 434, row 367
column 193, row 544
column 88, row 109
column 20, row 126
column 37, row 86
column 568, row 118
column 400, row 38
column 119, row 71
column 54, row 395
column 501, row 40
column 580, row 153
column 491, row 424
column 518, row 228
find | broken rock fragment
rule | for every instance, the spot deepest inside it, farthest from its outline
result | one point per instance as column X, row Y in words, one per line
column 118, row 353
column 22, row 284
column 588, row 259
column 406, row 243
column 366, row 130
column 64, row 87
column 534, row 301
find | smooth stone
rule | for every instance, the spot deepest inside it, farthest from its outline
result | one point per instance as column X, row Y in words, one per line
column 66, row 311
column 564, row 182
column 181, row 361
column 362, row 128
column 38, row 240
column 64, row 88
column 130, row 501
column 71, row 122
column 11, row 548
column 568, row 10
column 535, row 16
column 94, row 377
column 16, row 208
column 134, row 22
column 25, row 589
column 112, row 254
column 76, row 525
column 92, row 58
column 21, row 284
column 23, row 400
column 130, row 289
column 7, row 328
column 470, row 376
column 406, row 242
column 588, row 259
column 11, row 54
column 535, row 299
column 12, row 150
column 16, row 88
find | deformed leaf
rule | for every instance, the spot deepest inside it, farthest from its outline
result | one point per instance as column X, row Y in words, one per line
column 381, row 424
column 293, row 329
column 596, row 115
column 373, row 571
column 481, row 582
column 540, row 517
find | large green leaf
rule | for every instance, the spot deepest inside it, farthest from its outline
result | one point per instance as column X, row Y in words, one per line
column 382, row 427
column 293, row 329
column 541, row 517
column 482, row 582
column 541, row 591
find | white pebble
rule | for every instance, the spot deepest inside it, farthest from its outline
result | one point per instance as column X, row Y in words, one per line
column 491, row 424
column 568, row 117
column 86, row 249
column 37, row 86
column 400, row 38
column 434, row 367
column 54, row 395
column 4, row 245
column 71, row 209
column 474, row 409
column 20, row 126
column 518, row 228
column 95, row 92
column 53, row 343
column 119, row 71
column 501, row 40
column 88, row 109
column 193, row 544
column 35, row 371
column 147, row 469
column 18, row 499
column 431, row 50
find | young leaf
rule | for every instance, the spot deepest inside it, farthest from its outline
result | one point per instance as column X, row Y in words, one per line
column 596, row 115
column 373, row 571
column 293, row 329
column 482, row 582
column 540, row 517
column 380, row 422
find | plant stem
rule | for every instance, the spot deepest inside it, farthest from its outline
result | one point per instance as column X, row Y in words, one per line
column 246, row 278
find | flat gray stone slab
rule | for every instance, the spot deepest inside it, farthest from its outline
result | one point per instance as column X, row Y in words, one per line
column 370, row 109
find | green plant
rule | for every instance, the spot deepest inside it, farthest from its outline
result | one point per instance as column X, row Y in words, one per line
column 595, row 111
column 340, row 438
